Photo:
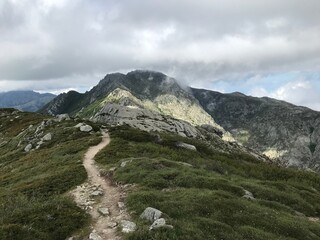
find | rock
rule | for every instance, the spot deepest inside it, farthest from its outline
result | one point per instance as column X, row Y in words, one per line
column 158, row 223
column 121, row 205
column 248, row 195
column 28, row 148
column 186, row 146
column 112, row 224
column 86, row 128
column 96, row 193
column 40, row 127
column 127, row 226
column 47, row 137
column 124, row 163
column 62, row 117
column 185, row 164
column 104, row 211
column 79, row 125
column 94, row 236
column 151, row 214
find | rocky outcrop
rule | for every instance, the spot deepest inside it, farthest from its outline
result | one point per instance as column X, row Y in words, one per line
column 287, row 133
column 115, row 114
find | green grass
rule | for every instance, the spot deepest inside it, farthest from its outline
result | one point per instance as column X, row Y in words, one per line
column 205, row 201
column 33, row 204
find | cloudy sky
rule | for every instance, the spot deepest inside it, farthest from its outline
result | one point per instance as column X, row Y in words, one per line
column 261, row 48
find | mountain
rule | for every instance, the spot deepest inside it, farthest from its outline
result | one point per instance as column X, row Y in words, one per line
column 152, row 101
column 280, row 130
column 143, row 99
column 29, row 101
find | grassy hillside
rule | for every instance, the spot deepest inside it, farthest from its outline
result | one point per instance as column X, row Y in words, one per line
column 205, row 201
column 32, row 185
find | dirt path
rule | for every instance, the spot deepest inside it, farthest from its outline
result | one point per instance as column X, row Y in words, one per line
column 99, row 195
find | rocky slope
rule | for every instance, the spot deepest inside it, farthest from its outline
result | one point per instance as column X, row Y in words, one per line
column 153, row 101
column 29, row 101
column 278, row 129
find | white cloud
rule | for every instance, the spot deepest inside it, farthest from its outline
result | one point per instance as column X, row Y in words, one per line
column 45, row 42
column 298, row 92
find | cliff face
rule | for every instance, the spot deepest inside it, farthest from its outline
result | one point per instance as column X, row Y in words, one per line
column 280, row 130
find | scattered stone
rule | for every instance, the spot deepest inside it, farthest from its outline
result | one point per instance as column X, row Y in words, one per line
column 112, row 224
column 160, row 223
column 79, row 125
column 4, row 143
column 62, row 117
column 151, row 214
column 185, row 164
column 313, row 219
column 248, row 195
column 104, row 211
column 96, row 193
column 94, row 236
column 86, row 128
column 28, row 148
column 41, row 127
column 186, row 146
column 47, row 137
column 121, row 205
column 127, row 226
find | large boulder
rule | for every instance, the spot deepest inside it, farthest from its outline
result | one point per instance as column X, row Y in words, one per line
column 127, row 226
column 186, row 146
column 151, row 214
column 95, row 236
column 86, row 128
column 47, row 137
column 62, row 117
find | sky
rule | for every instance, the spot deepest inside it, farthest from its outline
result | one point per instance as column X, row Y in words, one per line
column 261, row 48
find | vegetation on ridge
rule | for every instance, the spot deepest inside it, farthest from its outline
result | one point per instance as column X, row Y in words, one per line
column 32, row 185
column 205, row 201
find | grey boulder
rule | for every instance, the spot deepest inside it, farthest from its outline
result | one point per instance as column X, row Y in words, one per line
column 151, row 214
column 86, row 128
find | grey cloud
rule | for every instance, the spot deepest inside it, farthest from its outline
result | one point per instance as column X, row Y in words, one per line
column 196, row 41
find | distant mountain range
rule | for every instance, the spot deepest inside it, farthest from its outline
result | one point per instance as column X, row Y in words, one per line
column 28, row 101
column 152, row 101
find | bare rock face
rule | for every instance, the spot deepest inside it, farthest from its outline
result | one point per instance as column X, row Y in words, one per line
column 288, row 134
column 144, row 119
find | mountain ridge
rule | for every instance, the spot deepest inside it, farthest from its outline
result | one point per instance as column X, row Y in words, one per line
column 25, row 100
column 282, row 131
